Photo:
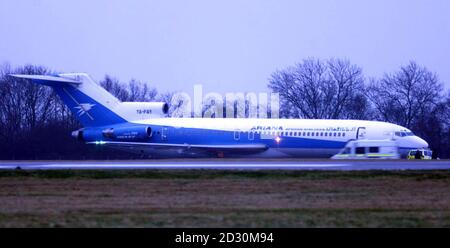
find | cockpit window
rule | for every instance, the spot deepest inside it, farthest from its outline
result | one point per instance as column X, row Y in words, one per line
column 404, row 134
column 400, row 134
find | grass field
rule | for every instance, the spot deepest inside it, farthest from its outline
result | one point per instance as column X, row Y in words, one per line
column 205, row 198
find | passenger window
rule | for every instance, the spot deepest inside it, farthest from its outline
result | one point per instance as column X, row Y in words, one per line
column 359, row 150
column 374, row 149
column 339, row 134
column 334, row 134
column 312, row 134
column 343, row 134
column 326, row 134
column 321, row 134
column 251, row 135
column 236, row 135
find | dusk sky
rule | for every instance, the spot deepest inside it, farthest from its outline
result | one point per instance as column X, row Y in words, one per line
column 231, row 45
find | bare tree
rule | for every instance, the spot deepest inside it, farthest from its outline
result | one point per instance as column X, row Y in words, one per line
column 115, row 87
column 402, row 97
column 141, row 92
column 134, row 91
column 318, row 89
column 25, row 108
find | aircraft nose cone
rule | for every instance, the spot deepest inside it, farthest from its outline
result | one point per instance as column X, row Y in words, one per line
column 421, row 143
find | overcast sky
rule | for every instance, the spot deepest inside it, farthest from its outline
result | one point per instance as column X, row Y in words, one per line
column 230, row 45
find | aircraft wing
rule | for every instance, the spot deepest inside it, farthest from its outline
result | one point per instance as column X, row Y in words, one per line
column 244, row 148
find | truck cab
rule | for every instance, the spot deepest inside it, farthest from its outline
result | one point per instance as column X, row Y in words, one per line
column 423, row 154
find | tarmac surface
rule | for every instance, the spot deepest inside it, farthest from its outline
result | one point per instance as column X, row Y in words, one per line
column 231, row 164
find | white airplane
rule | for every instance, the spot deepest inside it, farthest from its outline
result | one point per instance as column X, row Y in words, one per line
column 143, row 128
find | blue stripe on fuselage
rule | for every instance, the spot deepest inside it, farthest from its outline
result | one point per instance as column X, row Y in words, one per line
column 199, row 136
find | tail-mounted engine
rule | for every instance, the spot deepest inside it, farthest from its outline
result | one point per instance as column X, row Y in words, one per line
column 128, row 133
column 131, row 133
column 132, row 111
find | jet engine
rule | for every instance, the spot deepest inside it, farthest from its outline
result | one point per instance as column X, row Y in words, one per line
column 142, row 110
column 129, row 133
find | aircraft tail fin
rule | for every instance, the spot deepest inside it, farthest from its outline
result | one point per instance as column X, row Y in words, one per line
column 88, row 101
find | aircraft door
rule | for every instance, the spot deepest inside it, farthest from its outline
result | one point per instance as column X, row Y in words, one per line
column 361, row 133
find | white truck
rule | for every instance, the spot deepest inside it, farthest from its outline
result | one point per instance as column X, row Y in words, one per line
column 364, row 149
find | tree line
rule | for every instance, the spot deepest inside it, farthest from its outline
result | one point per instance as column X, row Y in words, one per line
column 411, row 96
column 35, row 124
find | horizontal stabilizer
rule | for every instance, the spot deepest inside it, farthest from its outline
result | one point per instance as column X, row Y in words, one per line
column 46, row 79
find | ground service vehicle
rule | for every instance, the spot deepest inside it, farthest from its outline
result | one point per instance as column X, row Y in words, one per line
column 423, row 154
column 362, row 149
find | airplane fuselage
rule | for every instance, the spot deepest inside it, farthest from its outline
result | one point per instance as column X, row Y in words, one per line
column 263, row 137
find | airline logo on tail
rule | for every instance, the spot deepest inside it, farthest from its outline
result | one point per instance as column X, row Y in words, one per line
column 83, row 108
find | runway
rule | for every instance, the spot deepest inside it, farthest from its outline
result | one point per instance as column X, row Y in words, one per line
column 220, row 164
